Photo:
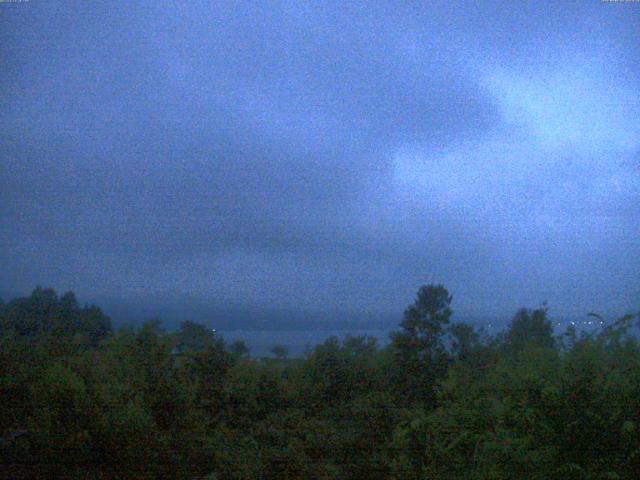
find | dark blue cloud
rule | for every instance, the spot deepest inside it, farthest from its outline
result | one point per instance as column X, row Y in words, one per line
column 322, row 157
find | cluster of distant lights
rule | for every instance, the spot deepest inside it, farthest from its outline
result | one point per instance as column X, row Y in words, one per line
column 574, row 323
column 585, row 322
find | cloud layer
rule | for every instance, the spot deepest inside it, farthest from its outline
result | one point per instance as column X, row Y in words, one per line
column 323, row 157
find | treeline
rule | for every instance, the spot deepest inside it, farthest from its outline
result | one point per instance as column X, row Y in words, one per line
column 442, row 401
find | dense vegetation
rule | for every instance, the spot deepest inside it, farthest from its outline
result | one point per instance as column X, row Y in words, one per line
column 443, row 401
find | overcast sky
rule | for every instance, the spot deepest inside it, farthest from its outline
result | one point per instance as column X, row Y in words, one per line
column 323, row 156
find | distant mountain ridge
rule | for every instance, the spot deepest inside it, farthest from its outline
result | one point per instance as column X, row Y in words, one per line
column 235, row 317
column 172, row 311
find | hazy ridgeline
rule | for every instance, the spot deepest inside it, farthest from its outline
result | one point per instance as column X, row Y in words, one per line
column 437, row 399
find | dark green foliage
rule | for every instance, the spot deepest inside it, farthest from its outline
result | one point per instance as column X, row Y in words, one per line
column 441, row 402
column 530, row 327
column 43, row 313
column 280, row 351
column 465, row 341
column 421, row 357
column 239, row 349
column 194, row 337
column 207, row 372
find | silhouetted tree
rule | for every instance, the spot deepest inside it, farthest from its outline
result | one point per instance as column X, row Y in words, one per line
column 280, row 351
column 43, row 312
column 194, row 336
column 420, row 351
column 530, row 327
column 239, row 349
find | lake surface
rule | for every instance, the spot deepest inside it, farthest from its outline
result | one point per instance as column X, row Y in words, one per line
column 261, row 341
column 299, row 341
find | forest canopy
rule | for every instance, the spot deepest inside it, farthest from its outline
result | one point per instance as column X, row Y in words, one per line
column 443, row 400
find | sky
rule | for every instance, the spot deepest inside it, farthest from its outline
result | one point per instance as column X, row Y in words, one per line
column 322, row 158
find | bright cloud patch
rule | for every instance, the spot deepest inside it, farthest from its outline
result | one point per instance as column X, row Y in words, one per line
column 578, row 107
column 563, row 149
